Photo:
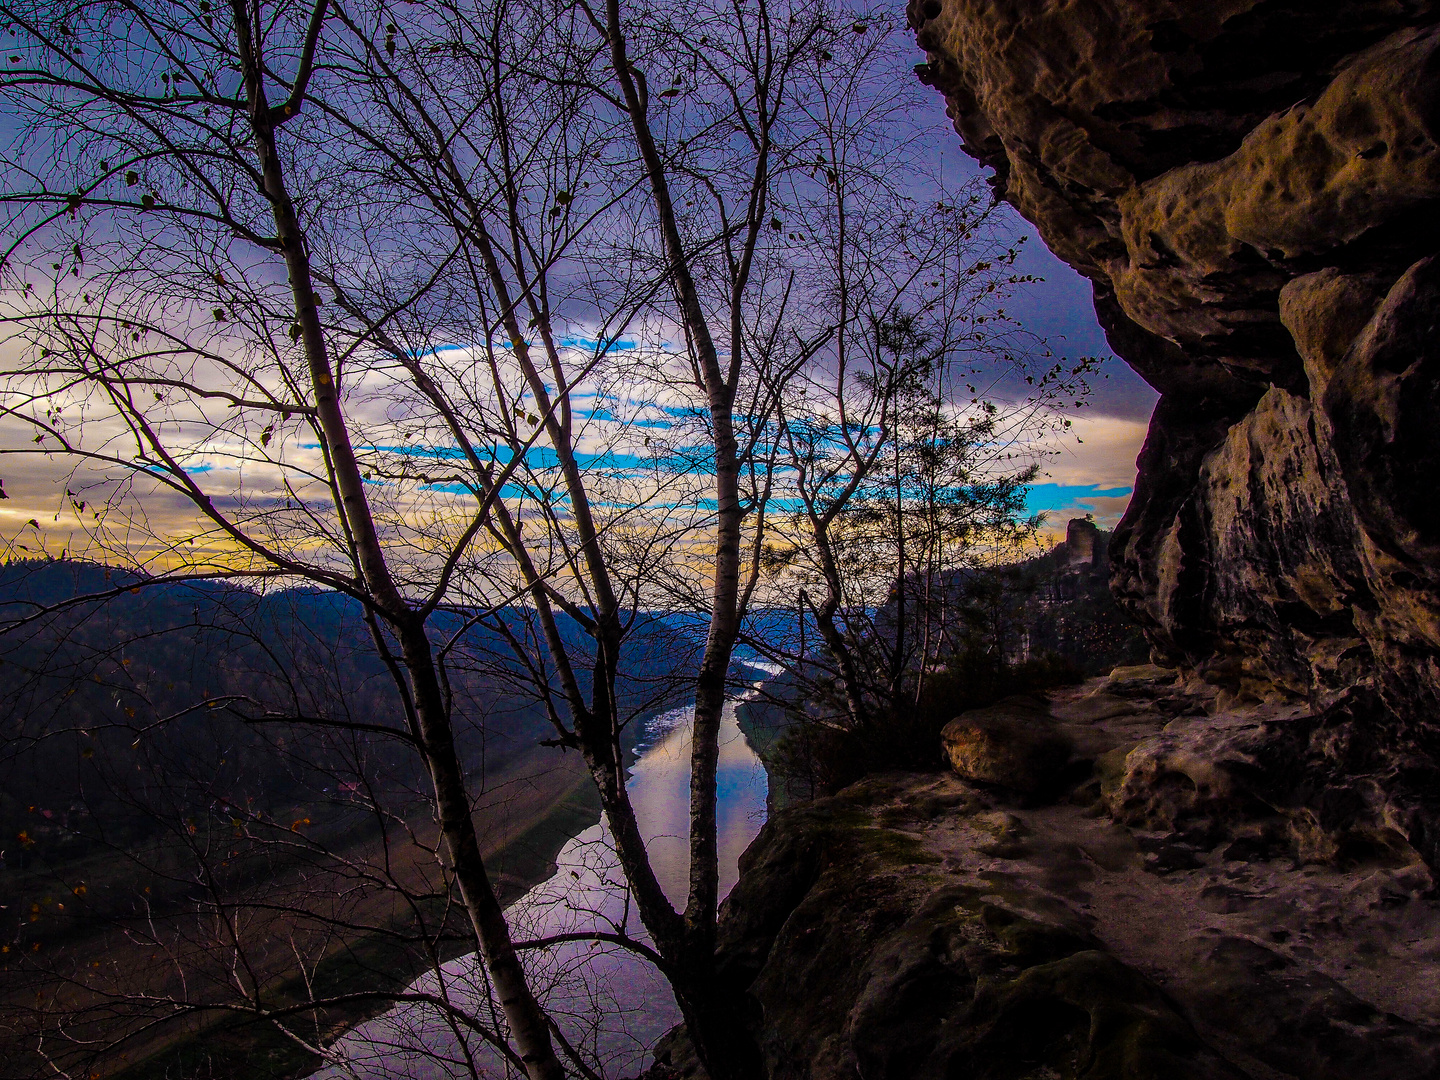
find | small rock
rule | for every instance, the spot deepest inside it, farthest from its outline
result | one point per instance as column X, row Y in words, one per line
column 1013, row 744
column 1259, row 847
column 1166, row 855
column 1225, row 900
column 1009, row 833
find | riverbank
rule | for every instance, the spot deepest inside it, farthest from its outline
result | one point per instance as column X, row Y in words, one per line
column 530, row 812
column 764, row 717
column 605, row 998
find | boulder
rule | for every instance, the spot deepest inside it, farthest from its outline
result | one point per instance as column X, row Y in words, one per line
column 1209, row 770
column 1014, row 744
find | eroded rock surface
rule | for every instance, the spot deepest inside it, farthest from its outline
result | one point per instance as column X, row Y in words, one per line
column 1171, row 916
column 1252, row 186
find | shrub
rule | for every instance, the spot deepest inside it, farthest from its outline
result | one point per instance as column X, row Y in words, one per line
column 822, row 751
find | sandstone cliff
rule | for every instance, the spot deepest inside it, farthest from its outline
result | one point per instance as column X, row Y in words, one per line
column 1252, row 187
column 1140, row 912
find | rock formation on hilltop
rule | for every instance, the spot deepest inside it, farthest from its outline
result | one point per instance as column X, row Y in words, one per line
column 1069, row 611
column 1252, row 187
column 1081, row 547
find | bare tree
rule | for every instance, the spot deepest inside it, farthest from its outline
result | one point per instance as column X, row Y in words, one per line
column 554, row 279
column 158, row 125
column 908, row 445
column 897, row 492
column 570, row 190
column 696, row 121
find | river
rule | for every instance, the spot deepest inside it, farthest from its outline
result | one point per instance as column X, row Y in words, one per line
column 611, row 1003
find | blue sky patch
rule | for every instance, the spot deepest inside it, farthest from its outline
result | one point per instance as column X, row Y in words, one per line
column 1040, row 498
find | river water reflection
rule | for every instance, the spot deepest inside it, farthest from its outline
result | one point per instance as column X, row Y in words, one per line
column 611, row 1004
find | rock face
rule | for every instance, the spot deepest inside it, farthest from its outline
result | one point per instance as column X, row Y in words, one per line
column 1168, row 918
column 1077, row 551
column 1253, row 188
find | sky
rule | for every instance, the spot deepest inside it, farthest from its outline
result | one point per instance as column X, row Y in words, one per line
column 1094, row 472
column 1090, row 472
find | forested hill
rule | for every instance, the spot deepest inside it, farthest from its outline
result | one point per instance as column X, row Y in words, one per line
column 233, row 696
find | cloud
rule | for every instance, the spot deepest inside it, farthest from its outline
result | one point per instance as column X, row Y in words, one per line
column 1106, row 510
column 1098, row 450
column 1059, row 503
column 1090, row 470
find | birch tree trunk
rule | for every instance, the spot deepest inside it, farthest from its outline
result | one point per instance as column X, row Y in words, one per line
column 528, row 1024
